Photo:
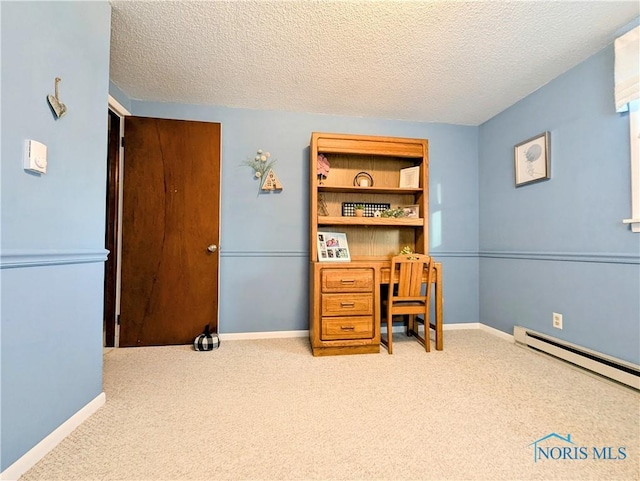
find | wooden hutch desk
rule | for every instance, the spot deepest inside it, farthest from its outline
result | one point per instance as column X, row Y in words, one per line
column 345, row 297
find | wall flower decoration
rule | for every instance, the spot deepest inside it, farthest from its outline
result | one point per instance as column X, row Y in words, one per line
column 262, row 164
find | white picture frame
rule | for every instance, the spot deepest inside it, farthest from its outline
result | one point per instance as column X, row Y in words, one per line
column 410, row 177
column 532, row 160
column 332, row 247
column 411, row 211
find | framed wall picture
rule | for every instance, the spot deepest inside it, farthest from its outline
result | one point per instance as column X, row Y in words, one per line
column 410, row 177
column 532, row 160
column 332, row 247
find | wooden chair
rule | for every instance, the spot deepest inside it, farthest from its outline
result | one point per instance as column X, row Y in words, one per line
column 409, row 273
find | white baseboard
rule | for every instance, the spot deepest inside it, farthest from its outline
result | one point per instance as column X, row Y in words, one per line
column 35, row 454
column 445, row 327
column 461, row 326
column 243, row 336
column 497, row 332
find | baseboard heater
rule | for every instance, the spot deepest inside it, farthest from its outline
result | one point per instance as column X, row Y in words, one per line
column 616, row 369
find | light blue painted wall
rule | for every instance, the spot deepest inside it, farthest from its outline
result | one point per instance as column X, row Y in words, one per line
column 264, row 238
column 560, row 245
column 570, row 254
column 52, row 240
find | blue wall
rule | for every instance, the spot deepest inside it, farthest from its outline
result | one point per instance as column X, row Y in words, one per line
column 553, row 246
column 52, row 258
column 560, row 245
column 264, row 238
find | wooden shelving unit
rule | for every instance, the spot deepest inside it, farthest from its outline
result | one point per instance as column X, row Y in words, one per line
column 372, row 240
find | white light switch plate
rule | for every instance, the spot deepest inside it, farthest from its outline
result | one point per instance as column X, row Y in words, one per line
column 35, row 157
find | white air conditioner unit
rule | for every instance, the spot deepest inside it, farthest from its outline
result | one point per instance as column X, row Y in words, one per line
column 616, row 369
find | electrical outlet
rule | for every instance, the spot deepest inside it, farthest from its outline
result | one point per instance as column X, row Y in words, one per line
column 557, row 320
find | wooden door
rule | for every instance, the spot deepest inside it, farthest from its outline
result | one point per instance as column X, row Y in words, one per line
column 170, row 220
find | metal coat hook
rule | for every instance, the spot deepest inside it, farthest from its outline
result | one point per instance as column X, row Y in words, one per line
column 58, row 108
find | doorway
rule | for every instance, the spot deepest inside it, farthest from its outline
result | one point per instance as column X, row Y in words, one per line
column 109, row 327
column 166, row 263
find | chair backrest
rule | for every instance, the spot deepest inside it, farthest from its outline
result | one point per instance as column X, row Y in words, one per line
column 409, row 272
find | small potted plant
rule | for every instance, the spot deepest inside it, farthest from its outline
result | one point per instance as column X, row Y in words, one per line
column 359, row 210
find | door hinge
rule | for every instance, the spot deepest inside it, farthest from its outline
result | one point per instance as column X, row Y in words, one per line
column 122, row 142
column 118, row 319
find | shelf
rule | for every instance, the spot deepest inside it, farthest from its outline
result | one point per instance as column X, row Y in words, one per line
column 368, row 190
column 371, row 221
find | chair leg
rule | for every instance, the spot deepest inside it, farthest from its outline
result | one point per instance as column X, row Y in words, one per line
column 411, row 324
column 427, row 331
column 389, row 334
column 424, row 340
column 386, row 342
column 437, row 329
column 427, row 337
column 389, row 331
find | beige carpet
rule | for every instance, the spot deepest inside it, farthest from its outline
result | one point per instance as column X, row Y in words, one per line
column 267, row 409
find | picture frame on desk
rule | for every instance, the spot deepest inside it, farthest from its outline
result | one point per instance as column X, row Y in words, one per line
column 410, row 177
column 332, row 247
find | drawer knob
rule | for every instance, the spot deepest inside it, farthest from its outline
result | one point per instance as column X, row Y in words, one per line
column 347, row 328
column 348, row 281
column 347, row 304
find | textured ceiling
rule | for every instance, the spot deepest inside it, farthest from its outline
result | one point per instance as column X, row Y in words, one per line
column 436, row 61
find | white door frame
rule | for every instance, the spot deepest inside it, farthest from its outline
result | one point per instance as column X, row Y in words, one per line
column 117, row 108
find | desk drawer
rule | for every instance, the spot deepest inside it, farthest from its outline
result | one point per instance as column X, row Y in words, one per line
column 347, row 304
column 336, row 328
column 347, row 280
